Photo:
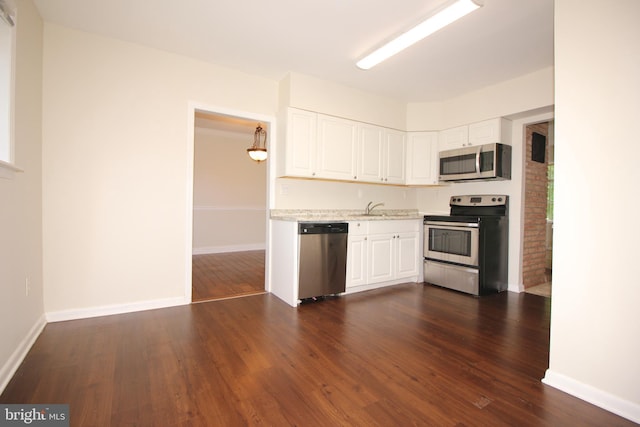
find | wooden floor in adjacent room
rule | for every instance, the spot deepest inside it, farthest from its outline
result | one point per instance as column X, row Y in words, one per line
column 405, row 355
column 227, row 275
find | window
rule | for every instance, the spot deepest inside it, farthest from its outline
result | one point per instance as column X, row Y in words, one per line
column 7, row 53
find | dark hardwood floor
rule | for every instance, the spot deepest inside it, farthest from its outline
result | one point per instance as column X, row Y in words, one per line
column 227, row 275
column 405, row 355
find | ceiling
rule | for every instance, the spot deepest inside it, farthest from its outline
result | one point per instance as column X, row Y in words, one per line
column 324, row 38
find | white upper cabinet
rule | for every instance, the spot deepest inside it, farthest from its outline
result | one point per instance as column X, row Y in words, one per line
column 485, row 132
column 422, row 158
column 382, row 155
column 327, row 147
column 394, row 157
column 301, row 143
column 490, row 131
column 457, row 137
column 370, row 142
column 337, row 148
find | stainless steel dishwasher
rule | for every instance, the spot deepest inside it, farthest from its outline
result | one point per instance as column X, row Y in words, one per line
column 322, row 268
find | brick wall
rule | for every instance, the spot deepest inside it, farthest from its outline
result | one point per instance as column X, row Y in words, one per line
column 535, row 212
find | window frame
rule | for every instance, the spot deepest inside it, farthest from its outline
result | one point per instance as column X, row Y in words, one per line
column 7, row 159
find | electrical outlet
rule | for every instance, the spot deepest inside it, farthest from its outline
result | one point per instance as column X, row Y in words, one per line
column 27, row 286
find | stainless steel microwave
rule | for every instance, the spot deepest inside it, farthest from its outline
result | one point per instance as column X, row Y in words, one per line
column 489, row 161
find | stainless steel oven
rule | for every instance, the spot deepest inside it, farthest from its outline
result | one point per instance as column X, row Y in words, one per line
column 452, row 242
column 468, row 250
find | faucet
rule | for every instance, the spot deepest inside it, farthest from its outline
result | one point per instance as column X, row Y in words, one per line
column 370, row 208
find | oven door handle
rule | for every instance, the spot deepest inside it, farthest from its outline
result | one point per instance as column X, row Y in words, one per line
column 478, row 159
column 452, row 224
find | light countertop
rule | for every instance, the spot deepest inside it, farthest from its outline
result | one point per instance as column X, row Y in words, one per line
column 332, row 215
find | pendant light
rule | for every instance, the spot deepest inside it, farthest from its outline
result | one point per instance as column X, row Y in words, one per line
column 258, row 151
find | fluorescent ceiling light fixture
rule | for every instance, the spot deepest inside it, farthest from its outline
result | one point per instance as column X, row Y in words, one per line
column 441, row 19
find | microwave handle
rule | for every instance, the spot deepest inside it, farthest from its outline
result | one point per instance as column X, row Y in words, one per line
column 478, row 159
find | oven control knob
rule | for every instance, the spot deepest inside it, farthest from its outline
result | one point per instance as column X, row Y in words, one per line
column 499, row 199
column 493, row 199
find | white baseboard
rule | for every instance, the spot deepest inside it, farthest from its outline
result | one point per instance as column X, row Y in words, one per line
column 85, row 313
column 602, row 399
column 12, row 365
column 232, row 248
column 517, row 288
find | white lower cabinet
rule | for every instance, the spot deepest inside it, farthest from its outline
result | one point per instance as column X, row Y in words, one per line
column 382, row 252
column 357, row 254
column 408, row 257
column 381, row 257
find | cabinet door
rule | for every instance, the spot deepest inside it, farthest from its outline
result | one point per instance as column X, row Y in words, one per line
column 370, row 139
column 490, row 131
column 407, row 255
column 337, row 148
column 394, row 156
column 381, row 258
column 301, row 143
column 422, row 158
column 453, row 138
column 356, row 261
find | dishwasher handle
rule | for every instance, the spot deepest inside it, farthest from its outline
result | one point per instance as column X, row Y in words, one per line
column 323, row 227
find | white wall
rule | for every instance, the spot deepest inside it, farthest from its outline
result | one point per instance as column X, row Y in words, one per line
column 525, row 93
column 317, row 194
column 229, row 193
column 596, row 287
column 22, row 316
column 116, row 156
column 522, row 94
column 313, row 94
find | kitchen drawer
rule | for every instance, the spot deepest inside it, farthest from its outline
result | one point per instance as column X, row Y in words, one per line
column 358, row 228
column 394, row 226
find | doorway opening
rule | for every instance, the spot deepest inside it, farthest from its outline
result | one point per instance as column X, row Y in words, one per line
column 538, row 209
column 229, row 209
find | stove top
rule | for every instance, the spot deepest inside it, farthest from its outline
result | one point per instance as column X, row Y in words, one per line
column 454, row 218
column 472, row 208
